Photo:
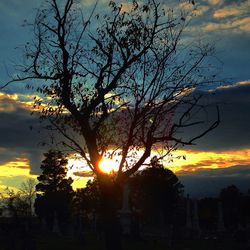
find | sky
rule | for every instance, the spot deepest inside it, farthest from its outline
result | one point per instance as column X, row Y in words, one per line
column 219, row 159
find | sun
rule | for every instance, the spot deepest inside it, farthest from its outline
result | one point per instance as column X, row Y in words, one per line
column 108, row 166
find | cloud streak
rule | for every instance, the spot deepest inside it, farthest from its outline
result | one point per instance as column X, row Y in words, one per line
column 235, row 10
column 233, row 132
column 215, row 2
column 210, row 182
column 237, row 25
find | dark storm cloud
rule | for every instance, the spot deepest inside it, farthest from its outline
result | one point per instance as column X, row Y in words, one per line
column 210, row 182
column 233, row 131
column 235, row 171
column 16, row 137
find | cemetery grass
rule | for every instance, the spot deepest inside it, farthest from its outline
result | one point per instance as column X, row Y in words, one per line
column 91, row 242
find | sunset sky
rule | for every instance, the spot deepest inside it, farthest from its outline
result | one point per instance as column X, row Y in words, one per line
column 219, row 159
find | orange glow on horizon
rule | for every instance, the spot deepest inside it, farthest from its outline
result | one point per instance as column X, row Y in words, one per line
column 197, row 160
column 19, row 168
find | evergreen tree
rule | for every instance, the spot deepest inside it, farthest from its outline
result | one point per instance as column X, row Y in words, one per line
column 54, row 191
column 156, row 192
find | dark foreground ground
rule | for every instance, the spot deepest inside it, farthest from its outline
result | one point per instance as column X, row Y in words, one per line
column 91, row 242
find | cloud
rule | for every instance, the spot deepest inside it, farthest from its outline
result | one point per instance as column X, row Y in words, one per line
column 233, row 132
column 201, row 10
column 91, row 2
column 237, row 25
column 231, row 16
column 247, row 82
column 215, row 2
column 213, row 160
column 83, row 174
column 18, row 162
column 195, row 161
column 226, row 12
column 13, row 102
column 234, row 9
column 17, row 139
column 233, row 171
column 210, row 182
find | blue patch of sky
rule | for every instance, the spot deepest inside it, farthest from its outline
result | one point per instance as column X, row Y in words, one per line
column 232, row 49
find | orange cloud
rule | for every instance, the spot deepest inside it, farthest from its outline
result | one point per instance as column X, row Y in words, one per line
column 197, row 10
column 226, row 12
column 247, row 82
column 19, row 162
column 193, row 161
column 215, row 2
column 197, row 160
column 11, row 102
column 243, row 24
column 233, row 10
column 20, row 168
column 244, row 82
column 16, row 167
column 237, row 25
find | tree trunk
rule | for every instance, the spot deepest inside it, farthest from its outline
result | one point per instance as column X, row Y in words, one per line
column 110, row 193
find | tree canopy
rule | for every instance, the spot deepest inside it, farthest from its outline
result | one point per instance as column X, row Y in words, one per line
column 155, row 193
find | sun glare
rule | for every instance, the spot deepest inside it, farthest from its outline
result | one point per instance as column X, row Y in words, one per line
column 108, row 166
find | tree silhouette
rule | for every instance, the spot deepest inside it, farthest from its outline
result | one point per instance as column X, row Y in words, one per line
column 87, row 199
column 54, row 191
column 118, row 83
column 156, row 192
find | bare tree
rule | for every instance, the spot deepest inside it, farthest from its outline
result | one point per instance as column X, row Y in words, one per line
column 119, row 83
column 28, row 192
column 123, row 79
column 19, row 202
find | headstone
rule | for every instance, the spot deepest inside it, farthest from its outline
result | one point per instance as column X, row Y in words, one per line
column 125, row 212
column 80, row 223
column 196, row 223
column 221, row 225
column 43, row 224
column 188, row 215
column 55, row 228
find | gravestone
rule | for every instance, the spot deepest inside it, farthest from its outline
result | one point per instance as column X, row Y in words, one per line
column 188, row 215
column 125, row 212
column 221, row 225
column 188, row 227
column 55, row 227
column 195, row 222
